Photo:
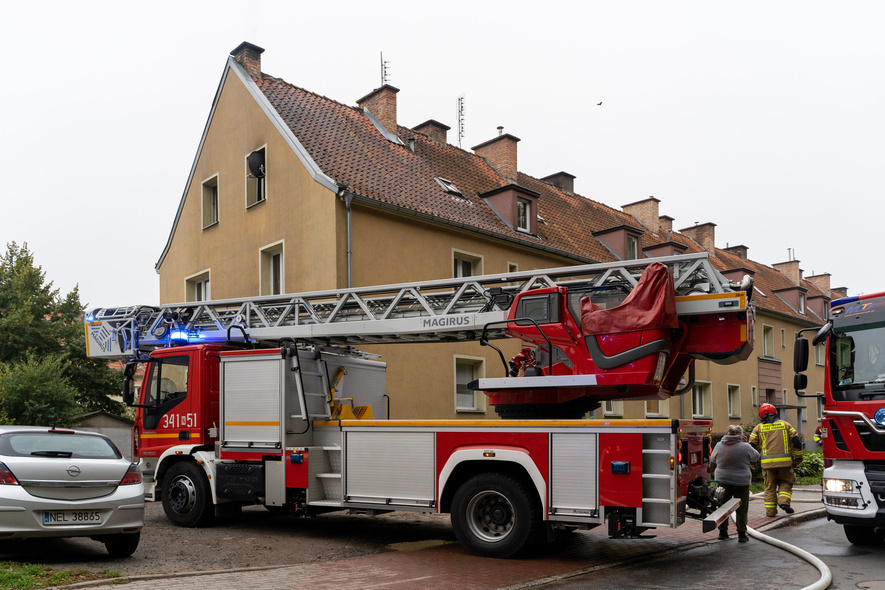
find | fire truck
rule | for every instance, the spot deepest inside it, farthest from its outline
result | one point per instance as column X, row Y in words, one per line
column 270, row 400
column 853, row 422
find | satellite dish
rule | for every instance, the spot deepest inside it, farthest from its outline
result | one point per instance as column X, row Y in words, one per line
column 256, row 164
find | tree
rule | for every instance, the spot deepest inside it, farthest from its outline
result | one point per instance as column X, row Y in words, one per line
column 39, row 327
column 33, row 391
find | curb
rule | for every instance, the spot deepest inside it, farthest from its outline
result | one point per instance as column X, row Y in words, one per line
column 127, row 579
column 794, row 519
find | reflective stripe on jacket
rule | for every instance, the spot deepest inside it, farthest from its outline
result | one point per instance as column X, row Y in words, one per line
column 773, row 442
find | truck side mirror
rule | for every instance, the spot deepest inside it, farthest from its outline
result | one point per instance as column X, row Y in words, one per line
column 800, row 355
column 800, row 381
column 128, row 372
column 822, row 333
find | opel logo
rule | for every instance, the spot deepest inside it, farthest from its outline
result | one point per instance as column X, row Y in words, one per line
column 73, row 471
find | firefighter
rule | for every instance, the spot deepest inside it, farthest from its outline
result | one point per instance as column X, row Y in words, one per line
column 778, row 443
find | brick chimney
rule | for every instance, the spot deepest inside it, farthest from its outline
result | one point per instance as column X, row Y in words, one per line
column 704, row 234
column 665, row 222
column 821, row 281
column 790, row 269
column 381, row 102
column 501, row 154
column 740, row 251
column 839, row 292
column 646, row 212
column 249, row 56
column 434, row 130
column 561, row 180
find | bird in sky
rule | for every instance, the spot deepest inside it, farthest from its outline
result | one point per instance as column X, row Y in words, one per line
column 599, row 104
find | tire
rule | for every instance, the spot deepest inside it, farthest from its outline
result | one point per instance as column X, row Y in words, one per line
column 495, row 515
column 864, row 535
column 187, row 500
column 122, row 545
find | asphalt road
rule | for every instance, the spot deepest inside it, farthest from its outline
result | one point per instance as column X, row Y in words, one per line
column 752, row 566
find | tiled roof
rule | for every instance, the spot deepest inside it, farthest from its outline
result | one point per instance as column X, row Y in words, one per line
column 347, row 147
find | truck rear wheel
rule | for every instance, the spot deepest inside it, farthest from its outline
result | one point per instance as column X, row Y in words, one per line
column 864, row 535
column 495, row 515
column 186, row 496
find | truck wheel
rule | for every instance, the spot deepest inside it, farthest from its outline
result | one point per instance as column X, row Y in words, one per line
column 495, row 515
column 864, row 535
column 122, row 545
column 186, row 497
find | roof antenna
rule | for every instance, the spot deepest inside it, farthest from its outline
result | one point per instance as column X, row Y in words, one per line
column 385, row 70
column 460, row 115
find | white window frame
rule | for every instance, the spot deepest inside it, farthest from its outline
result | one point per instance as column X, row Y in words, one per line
column 613, row 408
column 733, row 394
column 663, row 408
column 256, row 188
column 783, row 338
column 523, row 215
column 459, row 257
column 702, row 391
column 478, row 364
column 209, row 202
column 767, row 341
column 632, row 247
column 754, row 396
column 267, row 273
column 802, row 303
column 198, row 285
column 820, row 354
column 820, row 406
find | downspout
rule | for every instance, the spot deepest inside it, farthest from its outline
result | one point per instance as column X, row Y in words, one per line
column 348, row 198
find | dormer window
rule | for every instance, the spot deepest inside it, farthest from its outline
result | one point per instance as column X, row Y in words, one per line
column 632, row 247
column 621, row 240
column 448, row 187
column 801, row 303
column 522, row 214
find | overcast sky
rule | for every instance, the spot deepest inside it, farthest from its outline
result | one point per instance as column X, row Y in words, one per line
column 765, row 118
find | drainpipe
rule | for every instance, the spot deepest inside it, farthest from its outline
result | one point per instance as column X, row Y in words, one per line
column 348, row 198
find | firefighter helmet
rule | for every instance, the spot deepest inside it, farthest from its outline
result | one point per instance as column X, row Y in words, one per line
column 766, row 409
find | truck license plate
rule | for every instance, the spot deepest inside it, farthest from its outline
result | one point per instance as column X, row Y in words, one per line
column 62, row 517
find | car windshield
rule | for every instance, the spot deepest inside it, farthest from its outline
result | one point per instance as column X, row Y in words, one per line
column 858, row 356
column 49, row 444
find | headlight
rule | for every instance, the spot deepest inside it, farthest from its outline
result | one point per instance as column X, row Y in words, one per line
column 839, row 485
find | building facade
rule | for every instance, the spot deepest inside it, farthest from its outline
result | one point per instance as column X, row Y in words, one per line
column 294, row 192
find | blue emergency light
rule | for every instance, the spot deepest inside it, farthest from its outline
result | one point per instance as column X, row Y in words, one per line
column 620, row 467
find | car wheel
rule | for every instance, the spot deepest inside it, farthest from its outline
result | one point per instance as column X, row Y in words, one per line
column 864, row 535
column 186, row 496
column 122, row 545
column 495, row 515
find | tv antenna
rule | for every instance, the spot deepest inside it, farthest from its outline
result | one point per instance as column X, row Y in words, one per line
column 385, row 70
column 460, row 117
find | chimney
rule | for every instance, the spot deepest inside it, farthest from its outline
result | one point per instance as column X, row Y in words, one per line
column 839, row 292
column 434, row 130
column 790, row 269
column 381, row 102
column 501, row 154
column 646, row 212
column 822, row 282
column 249, row 56
column 704, row 234
column 740, row 251
column 561, row 180
column 665, row 222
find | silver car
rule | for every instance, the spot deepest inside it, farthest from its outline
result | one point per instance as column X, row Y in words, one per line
column 68, row 483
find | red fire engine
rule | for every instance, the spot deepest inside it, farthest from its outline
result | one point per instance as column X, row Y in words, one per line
column 266, row 400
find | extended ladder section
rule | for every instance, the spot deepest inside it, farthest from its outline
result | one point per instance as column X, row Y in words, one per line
column 429, row 311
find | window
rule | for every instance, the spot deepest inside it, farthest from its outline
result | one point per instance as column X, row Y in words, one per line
column 768, row 341
column 512, row 267
column 819, row 354
column 256, row 177
column 272, row 270
column 612, row 407
column 754, row 396
column 196, row 287
column 801, row 303
column 165, row 387
column 657, row 407
column 448, row 186
column 701, row 400
column 803, row 408
column 467, row 369
column 632, row 247
column 783, row 338
column 734, row 401
column 820, row 406
column 466, row 265
column 522, row 215
column 210, row 202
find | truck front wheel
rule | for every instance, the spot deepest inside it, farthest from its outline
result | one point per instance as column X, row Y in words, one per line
column 186, row 496
column 864, row 535
column 495, row 515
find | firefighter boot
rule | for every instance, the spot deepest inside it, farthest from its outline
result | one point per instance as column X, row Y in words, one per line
column 786, row 508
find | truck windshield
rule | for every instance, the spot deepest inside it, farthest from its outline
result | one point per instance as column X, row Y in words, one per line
column 857, row 355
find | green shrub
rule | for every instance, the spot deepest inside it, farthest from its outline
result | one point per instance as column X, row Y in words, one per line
column 812, row 464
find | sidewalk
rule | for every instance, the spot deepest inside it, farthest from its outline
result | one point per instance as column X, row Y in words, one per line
column 449, row 566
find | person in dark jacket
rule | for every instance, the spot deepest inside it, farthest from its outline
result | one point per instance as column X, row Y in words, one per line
column 733, row 458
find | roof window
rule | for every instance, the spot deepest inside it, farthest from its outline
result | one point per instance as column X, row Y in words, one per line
column 448, row 186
